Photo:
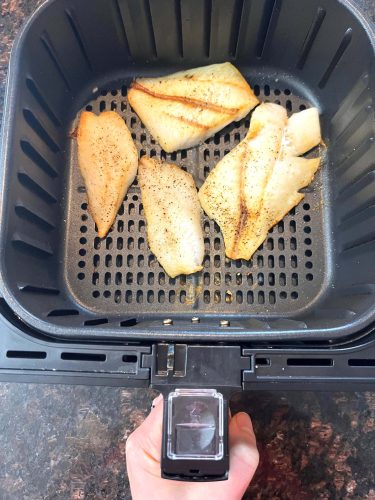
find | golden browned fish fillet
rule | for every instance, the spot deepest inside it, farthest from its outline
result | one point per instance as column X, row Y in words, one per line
column 257, row 183
column 184, row 109
column 108, row 161
column 173, row 215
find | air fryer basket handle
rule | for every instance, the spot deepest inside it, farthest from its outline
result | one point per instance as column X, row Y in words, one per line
column 196, row 382
column 195, row 435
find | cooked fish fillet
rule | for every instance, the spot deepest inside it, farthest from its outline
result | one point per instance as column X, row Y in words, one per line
column 233, row 192
column 173, row 215
column 184, row 109
column 108, row 161
column 302, row 133
column 281, row 195
column 257, row 183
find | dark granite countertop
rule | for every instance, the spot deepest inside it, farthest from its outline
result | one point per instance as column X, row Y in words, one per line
column 67, row 442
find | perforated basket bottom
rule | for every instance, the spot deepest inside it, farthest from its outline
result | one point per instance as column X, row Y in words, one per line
column 119, row 275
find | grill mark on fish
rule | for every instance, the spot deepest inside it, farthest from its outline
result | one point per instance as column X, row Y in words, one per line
column 244, row 213
column 189, row 122
column 188, row 101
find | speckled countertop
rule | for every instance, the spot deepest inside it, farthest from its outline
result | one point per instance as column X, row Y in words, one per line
column 66, row 442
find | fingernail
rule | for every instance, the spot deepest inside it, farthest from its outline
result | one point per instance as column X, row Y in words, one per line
column 157, row 400
column 244, row 422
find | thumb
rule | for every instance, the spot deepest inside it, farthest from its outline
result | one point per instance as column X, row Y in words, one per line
column 244, row 456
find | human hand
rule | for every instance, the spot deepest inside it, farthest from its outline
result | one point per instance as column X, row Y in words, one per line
column 143, row 450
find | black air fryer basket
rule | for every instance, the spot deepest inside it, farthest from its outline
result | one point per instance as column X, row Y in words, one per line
column 77, row 308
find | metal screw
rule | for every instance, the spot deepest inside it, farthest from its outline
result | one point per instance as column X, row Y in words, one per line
column 224, row 323
column 195, row 320
column 168, row 322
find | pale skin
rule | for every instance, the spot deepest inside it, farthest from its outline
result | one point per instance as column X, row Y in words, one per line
column 143, row 462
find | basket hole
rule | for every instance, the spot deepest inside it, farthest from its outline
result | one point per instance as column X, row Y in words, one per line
column 293, row 244
column 293, row 261
column 292, row 226
column 206, row 279
column 81, row 276
column 129, row 278
column 81, row 264
column 82, row 252
column 282, row 279
column 307, row 241
column 239, row 297
column 120, row 243
column 140, row 278
column 84, row 356
column 307, row 229
column 141, row 244
column 83, row 241
column 294, row 279
column 96, row 294
column 250, row 297
column 106, row 294
column 118, row 279
column 107, row 278
column 271, row 279
column 109, row 243
column 281, row 261
column 217, row 279
column 306, row 218
column 26, row 354
column 294, row 295
column 309, row 277
column 128, row 296
column 117, row 297
column 306, row 206
column 129, row 358
column 97, row 243
column 308, row 253
column 283, row 295
column 269, row 244
column 238, row 279
column 141, row 261
column 261, row 297
column 272, row 297
column 150, row 296
column 217, row 297
column 172, row 296
column 309, row 265
column 206, row 297
column 130, row 260
column 151, row 278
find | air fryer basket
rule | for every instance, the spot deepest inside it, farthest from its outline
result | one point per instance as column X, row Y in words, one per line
column 314, row 275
